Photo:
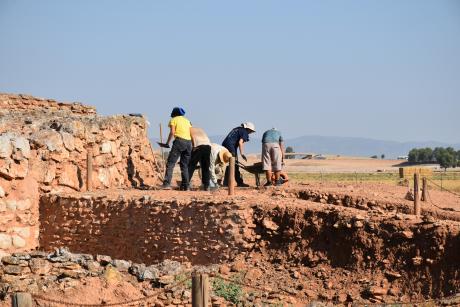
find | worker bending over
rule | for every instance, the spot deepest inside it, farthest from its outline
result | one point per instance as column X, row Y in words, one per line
column 234, row 140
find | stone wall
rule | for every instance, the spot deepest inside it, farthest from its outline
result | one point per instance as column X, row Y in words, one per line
column 420, row 255
column 44, row 146
column 147, row 230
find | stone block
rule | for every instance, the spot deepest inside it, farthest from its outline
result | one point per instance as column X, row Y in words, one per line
column 2, row 192
column 11, row 204
column 51, row 139
column 5, row 241
column 50, row 172
column 5, row 146
column 40, row 266
column 69, row 176
column 18, row 241
column 9, row 169
column 121, row 265
column 106, row 147
column 2, row 205
column 23, row 232
column 23, row 204
column 21, row 145
column 104, row 176
column 12, row 269
column 68, row 140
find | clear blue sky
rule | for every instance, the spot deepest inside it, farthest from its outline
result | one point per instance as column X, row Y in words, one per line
column 377, row 69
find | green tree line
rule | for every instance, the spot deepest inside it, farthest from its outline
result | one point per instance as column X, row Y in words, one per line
column 446, row 157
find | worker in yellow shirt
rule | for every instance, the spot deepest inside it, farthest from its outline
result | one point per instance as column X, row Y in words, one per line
column 181, row 148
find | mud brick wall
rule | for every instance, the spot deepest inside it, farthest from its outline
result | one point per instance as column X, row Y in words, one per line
column 43, row 148
column 147, row 230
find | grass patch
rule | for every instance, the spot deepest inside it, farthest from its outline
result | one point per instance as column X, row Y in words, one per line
column 183, row 277
column 230, row 291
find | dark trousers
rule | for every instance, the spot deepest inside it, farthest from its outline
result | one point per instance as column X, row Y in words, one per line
column 180, row 149
column 201, row 154
column 238, row 178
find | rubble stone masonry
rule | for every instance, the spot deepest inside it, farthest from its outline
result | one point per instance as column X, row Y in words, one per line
column 43, row 148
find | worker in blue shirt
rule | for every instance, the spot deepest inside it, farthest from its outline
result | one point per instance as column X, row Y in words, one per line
column 234, row 140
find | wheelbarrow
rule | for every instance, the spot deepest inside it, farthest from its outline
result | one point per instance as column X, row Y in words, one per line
column 255, row 169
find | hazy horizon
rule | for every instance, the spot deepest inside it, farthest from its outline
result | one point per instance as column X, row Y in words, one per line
column 378, row 70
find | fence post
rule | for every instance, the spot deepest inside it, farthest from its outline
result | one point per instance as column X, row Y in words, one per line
column 22, row 299
column 200, row 287
column 417, row 208
column 89, row 169
column 424, row 189
column 441, row 181
column 231, row 177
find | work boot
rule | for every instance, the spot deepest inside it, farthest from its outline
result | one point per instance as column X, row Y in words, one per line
column 206, row 188
column 279, row 182
column 185, row 188
column 268, row 184
column 242, row 185
column 165, row 186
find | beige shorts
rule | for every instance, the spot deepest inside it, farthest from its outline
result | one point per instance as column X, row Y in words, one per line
column 271, row 157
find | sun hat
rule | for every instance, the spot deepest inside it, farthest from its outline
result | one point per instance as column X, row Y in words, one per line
column 177, row 111
column 249, row 125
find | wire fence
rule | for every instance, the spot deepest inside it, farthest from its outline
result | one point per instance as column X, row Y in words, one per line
column 238, row 298
column 134, row 302
column 443, row 188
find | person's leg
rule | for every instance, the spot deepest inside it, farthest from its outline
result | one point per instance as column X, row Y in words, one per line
column 184, row 163
column 227, row 172
column 275, row 153
column 194, row 159
column 268, row 175
column 173, row 156
column 266, row 163
column 205, row 162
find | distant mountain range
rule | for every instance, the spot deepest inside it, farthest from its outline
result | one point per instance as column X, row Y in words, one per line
column 347, row 146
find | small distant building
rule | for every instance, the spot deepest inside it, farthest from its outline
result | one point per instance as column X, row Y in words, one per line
column 403, row 158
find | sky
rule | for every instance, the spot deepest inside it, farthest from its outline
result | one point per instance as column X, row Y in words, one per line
column 376, row 69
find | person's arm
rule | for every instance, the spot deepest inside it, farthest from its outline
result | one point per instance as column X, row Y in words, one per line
column 241, row 146
column 282, row 151
column 172, row 130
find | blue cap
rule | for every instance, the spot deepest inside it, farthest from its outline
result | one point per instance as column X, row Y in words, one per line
column 177, row 112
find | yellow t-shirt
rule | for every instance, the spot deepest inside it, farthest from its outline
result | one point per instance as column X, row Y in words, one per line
column 182, row 126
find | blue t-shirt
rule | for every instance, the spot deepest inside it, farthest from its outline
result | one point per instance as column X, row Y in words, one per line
column 272, row 136
column 233, row 138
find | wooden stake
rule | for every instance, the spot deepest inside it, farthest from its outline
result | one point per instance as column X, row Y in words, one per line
column 417, row 208
column 89, row 169
column 22, row 300
column 424, row 189
column 231, row 177
column 200, row 287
